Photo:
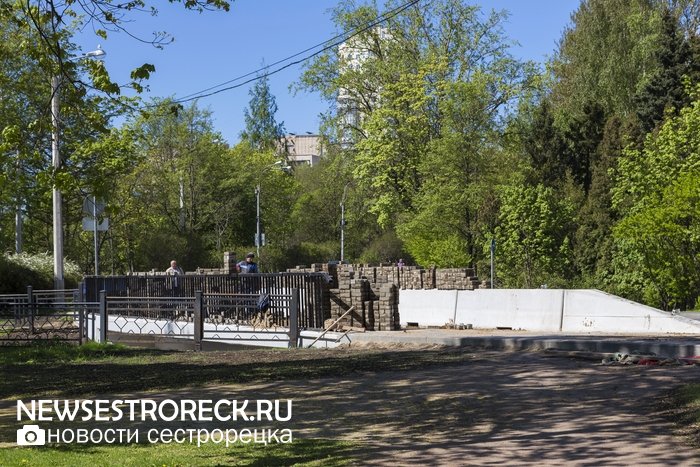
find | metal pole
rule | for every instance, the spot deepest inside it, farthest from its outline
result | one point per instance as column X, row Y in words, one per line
column 57, row 198
column 182, row 204
column 342, row 224
column 18, row 228
column 257, row 221
column 493, row 251
column 104, row 319
column 198, row 319
column 294, row 319
column 342, row 232
column 94, row 231
column 19, row 217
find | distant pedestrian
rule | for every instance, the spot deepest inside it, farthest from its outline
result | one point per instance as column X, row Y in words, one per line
column 247, row 266
column 249, row 285
column 174, row 269
column 400, row 264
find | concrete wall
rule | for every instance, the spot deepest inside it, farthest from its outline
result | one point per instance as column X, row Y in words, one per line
column 547, row 310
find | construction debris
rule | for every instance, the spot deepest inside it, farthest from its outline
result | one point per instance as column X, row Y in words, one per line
column 647, row 358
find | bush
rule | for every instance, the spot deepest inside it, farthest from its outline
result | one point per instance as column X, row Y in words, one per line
column 19, row 271
column 386, row 249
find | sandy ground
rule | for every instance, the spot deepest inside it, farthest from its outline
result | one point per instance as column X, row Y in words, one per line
column 494, row 408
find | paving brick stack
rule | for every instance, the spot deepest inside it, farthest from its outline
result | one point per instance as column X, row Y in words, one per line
column 359, row 287
column 456, row 279
column 330, row 269
column 341, row 297
column 360, row 294
column 229, row 262
column 415, row 278
column 374, row 290
column 214, row 271
column 386, row 317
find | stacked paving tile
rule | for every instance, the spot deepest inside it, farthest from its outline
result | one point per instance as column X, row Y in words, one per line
column 229, row 262
column 373, row 291
column 456, row 279
column 211, row 271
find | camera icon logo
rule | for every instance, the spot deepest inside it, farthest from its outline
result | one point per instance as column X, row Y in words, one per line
column 31, row 435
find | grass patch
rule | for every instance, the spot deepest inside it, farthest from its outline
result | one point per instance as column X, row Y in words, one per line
column 53, row 352
column 689, row 396
column 686, row 400
column 71, row 371
column 300, row 452
column 682, row 407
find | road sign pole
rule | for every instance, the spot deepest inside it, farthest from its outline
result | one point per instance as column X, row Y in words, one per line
column 94, row 230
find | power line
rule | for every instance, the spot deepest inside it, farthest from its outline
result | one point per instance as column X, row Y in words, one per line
column 337, row 40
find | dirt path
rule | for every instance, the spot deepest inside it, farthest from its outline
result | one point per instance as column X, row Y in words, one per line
column 495, row 408
column 518, row 409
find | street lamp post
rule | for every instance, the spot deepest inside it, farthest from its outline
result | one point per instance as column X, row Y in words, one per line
column 258, row 235
column 257, row 221
column 58, row 276
column 493, row 254
column 58, row 281
column 342, row 225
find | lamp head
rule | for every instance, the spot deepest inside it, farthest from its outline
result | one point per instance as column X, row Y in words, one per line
column 97, row 53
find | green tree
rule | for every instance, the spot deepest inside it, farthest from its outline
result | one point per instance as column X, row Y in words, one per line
column 545, row 146
column 533, row 237
column 606, row 55
column 26, row 71
column 167, row 207
column 455, row 209
column 665, row 90
column 593, row 240
column 666, row 238
column 418, row 104
column 583, row 136
column 652, row 185
column 262, row 132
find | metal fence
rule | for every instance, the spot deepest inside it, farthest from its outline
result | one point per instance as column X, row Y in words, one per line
column 221, row 317
column 40, row 316
column 314, row 297
column 66, row 315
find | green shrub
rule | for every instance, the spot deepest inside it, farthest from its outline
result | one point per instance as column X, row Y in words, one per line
column 20, row 270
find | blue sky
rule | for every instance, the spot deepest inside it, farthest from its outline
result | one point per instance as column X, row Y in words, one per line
column 214, row 47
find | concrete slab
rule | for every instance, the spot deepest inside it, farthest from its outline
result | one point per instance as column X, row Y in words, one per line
column 673, row 346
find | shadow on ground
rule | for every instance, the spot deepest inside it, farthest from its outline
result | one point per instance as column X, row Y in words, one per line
column 483, row 408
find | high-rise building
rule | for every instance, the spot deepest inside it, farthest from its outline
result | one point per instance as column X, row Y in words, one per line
column 352, row 104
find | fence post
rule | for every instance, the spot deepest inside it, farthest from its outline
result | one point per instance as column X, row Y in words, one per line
column 294, row 319
column 198, row 319
column 82, row 328
column 30, row 307
column 104, row 322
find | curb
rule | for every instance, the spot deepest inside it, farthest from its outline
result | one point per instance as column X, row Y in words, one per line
column 667, row 347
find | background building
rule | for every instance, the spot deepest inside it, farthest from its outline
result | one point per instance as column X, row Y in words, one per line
column 303, row 149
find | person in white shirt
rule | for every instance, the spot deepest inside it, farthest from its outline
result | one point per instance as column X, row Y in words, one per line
column 174, row 269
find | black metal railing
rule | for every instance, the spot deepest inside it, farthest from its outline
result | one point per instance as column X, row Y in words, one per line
column 24, row 319
column 225, row 317
column 314, row 298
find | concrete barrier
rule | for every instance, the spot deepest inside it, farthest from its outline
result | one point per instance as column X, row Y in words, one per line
column 548, row 310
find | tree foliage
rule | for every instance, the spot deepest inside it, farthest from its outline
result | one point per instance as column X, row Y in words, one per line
column 533, row 237
column 606, row 54
column 655, row 187
column 262, row 131
column 436, row 142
